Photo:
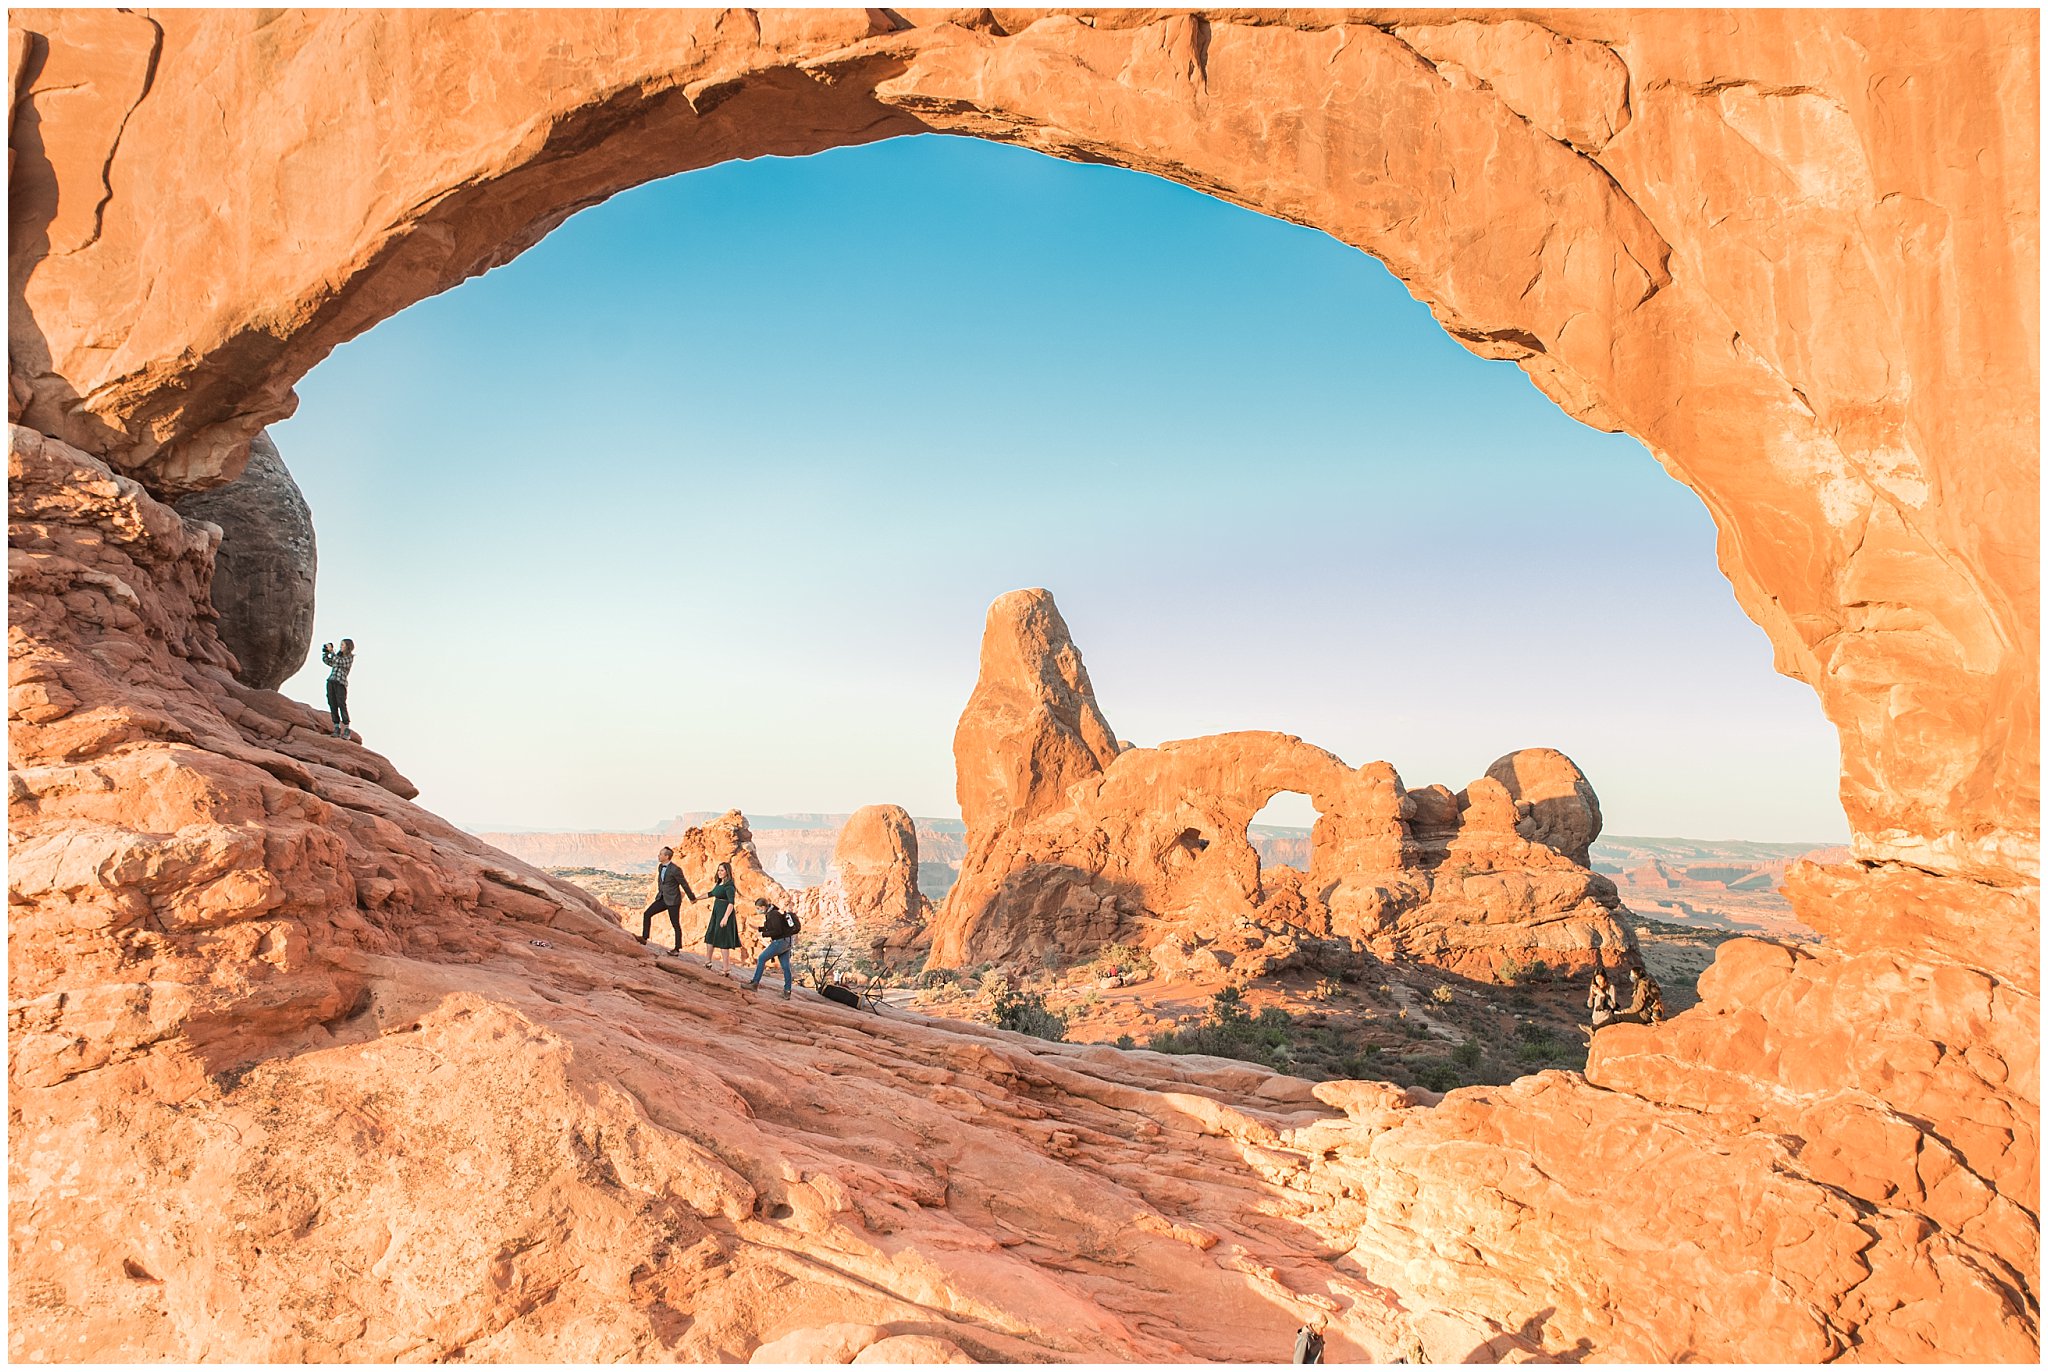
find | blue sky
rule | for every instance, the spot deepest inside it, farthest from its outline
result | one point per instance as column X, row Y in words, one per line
column 700, row 503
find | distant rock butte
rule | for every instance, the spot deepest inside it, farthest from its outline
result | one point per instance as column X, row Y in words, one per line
column 300, row 1072
column 702, row 848
column 876, row 862
column 1150, row 845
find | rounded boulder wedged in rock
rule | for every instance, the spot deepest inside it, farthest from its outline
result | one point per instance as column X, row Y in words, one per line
column 263, row 577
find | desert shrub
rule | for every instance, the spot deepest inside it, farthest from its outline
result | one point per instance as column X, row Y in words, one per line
column 1443, row 995
column 1438, row 1076
column 1124, row 959
column 1327, row 989
column 1051, row 960
column 1126, row 1041
column 1466, row 1054
column 1511, row 971
column 1230, row 1031
column 1022, row 1012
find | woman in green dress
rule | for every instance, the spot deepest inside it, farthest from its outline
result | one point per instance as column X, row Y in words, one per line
column 723, row 932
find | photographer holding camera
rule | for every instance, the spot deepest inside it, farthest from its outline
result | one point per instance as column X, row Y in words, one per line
column 338, row 664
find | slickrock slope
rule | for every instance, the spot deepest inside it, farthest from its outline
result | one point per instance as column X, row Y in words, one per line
column 291, row 1076
column 1149, row 845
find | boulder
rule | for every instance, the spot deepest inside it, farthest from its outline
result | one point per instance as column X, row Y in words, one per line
column 876, row 863
column 263, row 575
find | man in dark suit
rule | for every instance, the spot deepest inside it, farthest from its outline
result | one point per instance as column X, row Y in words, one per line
column 670, row 886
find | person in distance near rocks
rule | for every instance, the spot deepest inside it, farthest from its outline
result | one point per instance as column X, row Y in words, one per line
column 1646, row 999
column 1600, row 999
column 723, row 932
column 338, row 664
column 670, row 886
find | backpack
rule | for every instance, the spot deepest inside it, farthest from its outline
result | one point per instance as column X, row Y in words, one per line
column 791, row 925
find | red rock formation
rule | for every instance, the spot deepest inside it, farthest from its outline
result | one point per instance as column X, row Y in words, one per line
column 1032, row 727
column 275, row 1031
column 727, row 839
column 1150, row 845
column 876, row 862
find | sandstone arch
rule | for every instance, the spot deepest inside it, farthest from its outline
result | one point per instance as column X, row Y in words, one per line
column 1574, row 195
column 1743, row 238
column 1152, row 846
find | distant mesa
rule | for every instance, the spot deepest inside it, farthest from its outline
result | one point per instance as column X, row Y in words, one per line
column 1075, row 841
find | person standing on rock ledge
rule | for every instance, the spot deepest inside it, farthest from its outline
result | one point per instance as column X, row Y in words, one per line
column 338, row 664
column 670, row 886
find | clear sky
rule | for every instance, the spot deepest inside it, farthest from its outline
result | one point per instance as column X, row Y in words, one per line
column 701, row 501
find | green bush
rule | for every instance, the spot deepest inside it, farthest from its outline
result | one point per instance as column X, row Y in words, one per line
column 1466, row 1054
column 1229, row 1031
column 1022, row 1012
column 1438, row 1076
column 1123, row 958
column 1126, row 1041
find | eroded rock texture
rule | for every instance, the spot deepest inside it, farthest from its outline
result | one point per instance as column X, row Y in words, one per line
column 264, row 573
column 298, row 1070
column 1070, row 847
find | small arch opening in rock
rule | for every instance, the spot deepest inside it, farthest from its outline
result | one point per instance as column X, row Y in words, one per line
column 1279, row 832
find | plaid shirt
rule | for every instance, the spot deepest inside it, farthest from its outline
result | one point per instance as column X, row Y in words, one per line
column 338, row 660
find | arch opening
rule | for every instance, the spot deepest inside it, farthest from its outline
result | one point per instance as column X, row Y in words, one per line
column 1280, row 832
column 734, row 466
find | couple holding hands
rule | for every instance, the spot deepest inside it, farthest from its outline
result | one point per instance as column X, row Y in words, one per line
column 722, row 932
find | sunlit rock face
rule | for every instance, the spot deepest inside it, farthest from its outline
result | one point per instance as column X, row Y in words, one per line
column 875, row 860
column 276, row 1031
column 1075, row 841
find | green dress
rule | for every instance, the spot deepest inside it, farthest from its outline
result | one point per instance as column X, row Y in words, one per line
column 724, row 929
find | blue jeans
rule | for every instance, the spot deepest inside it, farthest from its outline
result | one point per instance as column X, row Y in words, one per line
column 778, row 949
